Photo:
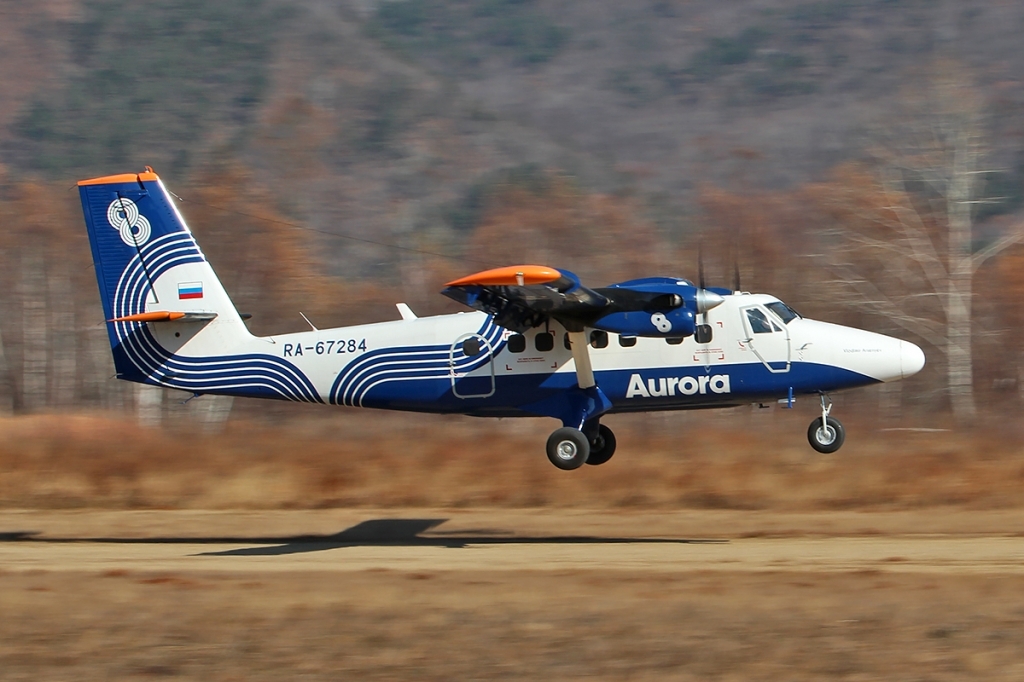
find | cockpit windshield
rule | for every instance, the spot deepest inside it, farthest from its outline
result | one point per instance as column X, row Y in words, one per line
column 786, row 313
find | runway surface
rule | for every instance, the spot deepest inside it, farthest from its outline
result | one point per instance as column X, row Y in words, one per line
column 508, row 541
column 511, row 594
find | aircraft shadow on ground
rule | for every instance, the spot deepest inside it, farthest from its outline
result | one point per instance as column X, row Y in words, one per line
column 371, row 533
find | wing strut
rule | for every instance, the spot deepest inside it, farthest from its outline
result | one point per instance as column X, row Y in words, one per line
column 581, row 355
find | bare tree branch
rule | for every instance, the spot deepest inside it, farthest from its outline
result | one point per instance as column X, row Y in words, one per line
column 1007, row 240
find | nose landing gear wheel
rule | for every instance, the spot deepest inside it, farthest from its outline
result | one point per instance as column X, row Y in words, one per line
column 827, row 436
column 603, row 447
column 568, row 448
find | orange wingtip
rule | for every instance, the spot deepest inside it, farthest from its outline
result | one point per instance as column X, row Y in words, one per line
column 513, row 275
column 145, row 176
column 158, row 316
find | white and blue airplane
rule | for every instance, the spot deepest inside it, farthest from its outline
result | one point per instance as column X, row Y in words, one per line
column 539, row 344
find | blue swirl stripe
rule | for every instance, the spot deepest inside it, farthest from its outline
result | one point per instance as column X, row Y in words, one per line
column 411, row 363
column 238, row 374
column 222, row 373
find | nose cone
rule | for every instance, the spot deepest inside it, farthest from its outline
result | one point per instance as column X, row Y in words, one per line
column 911, row 359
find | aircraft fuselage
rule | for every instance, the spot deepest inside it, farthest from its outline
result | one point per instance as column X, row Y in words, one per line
column 422, row 364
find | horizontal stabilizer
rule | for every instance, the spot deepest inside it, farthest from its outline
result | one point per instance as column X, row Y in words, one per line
column 166, row 316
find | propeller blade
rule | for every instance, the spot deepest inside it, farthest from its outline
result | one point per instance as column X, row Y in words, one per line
column 706, row 300
column 736, row 276
column 700, row 266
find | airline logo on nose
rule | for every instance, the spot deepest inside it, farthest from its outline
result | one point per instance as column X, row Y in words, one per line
column 671, row 386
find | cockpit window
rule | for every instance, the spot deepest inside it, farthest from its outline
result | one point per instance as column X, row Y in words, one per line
column 759, row 323
column 783, row 311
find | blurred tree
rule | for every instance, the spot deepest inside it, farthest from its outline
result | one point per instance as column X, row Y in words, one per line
column 264, row 260
column 1002, row 296
column 757, row 237
column 148, row 84
column 551, row 221
column 902, row 240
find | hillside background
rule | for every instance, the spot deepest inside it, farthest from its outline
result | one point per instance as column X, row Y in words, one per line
column 336, row 157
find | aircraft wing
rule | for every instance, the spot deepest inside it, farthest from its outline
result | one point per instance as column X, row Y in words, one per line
column 524, row 296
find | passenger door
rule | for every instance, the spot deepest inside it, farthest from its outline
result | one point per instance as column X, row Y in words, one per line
column 471, row 367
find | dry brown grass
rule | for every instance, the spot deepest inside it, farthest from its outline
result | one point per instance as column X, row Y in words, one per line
column 600, row 625
column 366, row 459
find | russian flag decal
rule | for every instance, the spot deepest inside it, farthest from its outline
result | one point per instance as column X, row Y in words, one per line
column 190, row 290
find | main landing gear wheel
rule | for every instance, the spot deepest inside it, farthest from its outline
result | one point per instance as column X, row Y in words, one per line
column 602, row 447
column 568, row 448
column 827, row 436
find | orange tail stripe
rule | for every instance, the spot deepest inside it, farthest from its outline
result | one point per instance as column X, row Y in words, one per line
column 147, row 175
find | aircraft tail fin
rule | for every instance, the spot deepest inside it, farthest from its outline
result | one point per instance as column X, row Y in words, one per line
column 152, row 276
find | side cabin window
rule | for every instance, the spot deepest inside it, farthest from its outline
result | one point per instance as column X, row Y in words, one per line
column 471, row 347
column 627, row 341
column 674, row 340
column 516, row 343
column 759, row 322
column 544, row 342
column 599, row 338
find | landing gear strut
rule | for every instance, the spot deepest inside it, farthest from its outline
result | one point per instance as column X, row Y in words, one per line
column 826, row 434
column 570, row 448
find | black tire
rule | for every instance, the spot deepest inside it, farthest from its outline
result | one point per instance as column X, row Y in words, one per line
column 826, row 440
column 603, row 447
column 568, row 448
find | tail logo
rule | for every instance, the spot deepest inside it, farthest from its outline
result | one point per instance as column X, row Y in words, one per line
column 123, row 215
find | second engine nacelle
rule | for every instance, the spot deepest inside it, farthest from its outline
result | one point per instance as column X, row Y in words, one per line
column 665, row 324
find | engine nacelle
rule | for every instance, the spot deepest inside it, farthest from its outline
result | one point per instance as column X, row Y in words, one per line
column 662, row 324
